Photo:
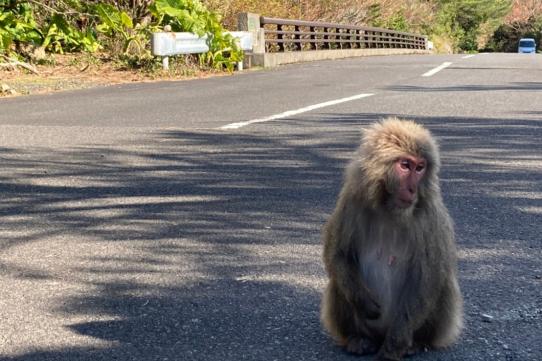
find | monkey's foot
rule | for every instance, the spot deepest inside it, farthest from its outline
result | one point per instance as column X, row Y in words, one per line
column 386, row 358
column 360, row 346
column 412, row 350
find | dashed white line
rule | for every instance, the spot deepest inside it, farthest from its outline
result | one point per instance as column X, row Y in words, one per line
column 295, row 112
column 468, row 56
column 437, row 69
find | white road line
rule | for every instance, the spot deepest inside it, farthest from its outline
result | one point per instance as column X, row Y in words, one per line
column 295, row 112
column 437, row 69
column 468, row 56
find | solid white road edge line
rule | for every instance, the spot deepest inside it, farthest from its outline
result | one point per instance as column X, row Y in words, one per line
column 437, row 69
column 295, row 112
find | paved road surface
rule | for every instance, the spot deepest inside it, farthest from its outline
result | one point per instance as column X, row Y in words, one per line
column 135, row 228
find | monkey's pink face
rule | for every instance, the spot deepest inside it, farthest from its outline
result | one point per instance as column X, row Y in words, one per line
column 409, row 171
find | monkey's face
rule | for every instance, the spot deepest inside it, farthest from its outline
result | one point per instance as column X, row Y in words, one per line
column 406, row 173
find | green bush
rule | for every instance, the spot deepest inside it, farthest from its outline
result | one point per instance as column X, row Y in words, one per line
column 17, row 25
column 86, row 26
column 60, row 37
column 56, row 33
column 115, row 23
column 461, row 20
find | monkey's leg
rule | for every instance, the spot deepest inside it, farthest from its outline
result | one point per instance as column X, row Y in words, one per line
column 411, row 312
column 447, row 319
column 344, row 323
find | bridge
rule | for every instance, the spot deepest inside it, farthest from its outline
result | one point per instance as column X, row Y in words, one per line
column 284, row 41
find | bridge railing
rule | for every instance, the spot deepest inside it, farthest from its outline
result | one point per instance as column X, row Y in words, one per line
column 296, row 35
column 282, row 41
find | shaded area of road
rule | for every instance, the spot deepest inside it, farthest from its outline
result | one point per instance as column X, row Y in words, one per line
column 205, row 245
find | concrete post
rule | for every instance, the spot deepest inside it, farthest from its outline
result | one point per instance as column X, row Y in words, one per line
column 165, row 59
column 251, row 22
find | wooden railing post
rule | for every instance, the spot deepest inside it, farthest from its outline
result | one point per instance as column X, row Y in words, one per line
column 297, row 38
column 280, row 37
column 312, row 44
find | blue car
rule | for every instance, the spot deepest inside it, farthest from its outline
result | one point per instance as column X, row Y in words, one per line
column 527, row 45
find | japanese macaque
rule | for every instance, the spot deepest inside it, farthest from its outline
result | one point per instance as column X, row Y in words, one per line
column 389, row 249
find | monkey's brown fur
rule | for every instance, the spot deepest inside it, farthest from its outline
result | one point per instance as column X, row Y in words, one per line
column 392, row 272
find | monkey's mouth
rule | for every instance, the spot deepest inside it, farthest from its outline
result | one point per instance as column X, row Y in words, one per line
column 404, row 203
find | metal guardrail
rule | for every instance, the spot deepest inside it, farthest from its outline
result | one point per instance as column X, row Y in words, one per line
column 283, row 35
column 166, row 44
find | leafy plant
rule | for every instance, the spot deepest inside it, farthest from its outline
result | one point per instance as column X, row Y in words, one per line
column 224, row 52
column 192, row 16
column 61, row 36
column 182, row 15
column 17, row 25
column 116, row 22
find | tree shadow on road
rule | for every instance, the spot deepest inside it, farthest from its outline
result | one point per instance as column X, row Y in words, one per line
column 213, row 237
column 194, row 206
column 221, row 320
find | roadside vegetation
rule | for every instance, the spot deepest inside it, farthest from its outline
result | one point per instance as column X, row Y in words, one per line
column 115, row 34
column 118, row 29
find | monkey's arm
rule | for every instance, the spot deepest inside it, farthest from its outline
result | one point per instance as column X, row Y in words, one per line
column 342, row 265
column 346, row 274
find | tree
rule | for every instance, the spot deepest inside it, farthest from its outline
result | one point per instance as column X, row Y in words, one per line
column 465, row 19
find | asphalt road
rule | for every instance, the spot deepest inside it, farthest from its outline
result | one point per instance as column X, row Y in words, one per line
column 134, row 228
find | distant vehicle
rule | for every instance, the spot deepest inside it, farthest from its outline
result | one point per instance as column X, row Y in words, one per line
column 527, row 45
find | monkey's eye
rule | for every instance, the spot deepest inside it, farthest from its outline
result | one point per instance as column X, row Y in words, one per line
column 420, row 168
column 405, row 164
